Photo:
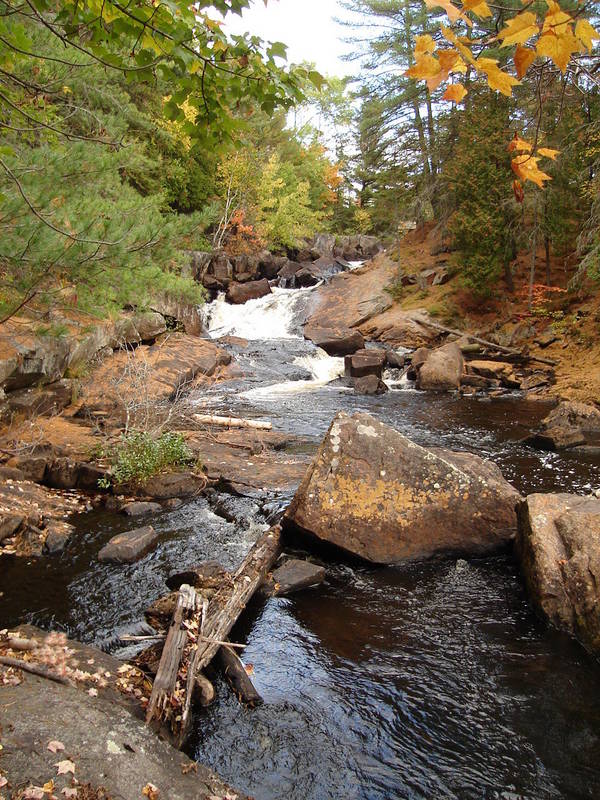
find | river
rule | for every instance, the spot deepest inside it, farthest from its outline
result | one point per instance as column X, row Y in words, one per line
column 434, row 680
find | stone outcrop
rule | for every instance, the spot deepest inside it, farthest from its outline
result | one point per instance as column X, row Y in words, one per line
column 128, row 547
column 365, row 362
column 238, row 293
column 335, row 341
column 558, row 545
column 569, row 425
column 375, row 494
column 442, row 370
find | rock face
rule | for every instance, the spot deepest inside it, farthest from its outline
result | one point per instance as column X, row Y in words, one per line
column 335, row 341
column 377, row 495
column 125, row 548
column 442, row 370
column 558, row 544
column 568, row 425
column 238, row 293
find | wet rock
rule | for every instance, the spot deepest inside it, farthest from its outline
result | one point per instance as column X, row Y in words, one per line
column 369, row 384
column 443, row 369
column 173, row 484
column 305, row 277
column 558, row 545
column 478, row 381
column 357, row 247
column 56, row 540
column 365, row 362
column 138, row 508
column 62, row 473
column 335, row 341
column 293, row 576
column 238, row 293
column 158, row 615
column 128, row 547
column 10, row 524
column 89, row 475
column 570, row 424
column 394, row 360
column 377, row 495
column 208, row 575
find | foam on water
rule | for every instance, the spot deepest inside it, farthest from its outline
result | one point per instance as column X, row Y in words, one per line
column 323, row 368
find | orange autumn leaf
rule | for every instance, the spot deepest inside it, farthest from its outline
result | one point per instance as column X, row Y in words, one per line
column 519, row 29
column 454, row 14
column 425, row 66
column 519, row 145
column 526, row 168
column 456, row 92
column 518, row 191
column 424, row 44
column 524, row 58
column 547, row 152
column 559, row 48
column 465, row 52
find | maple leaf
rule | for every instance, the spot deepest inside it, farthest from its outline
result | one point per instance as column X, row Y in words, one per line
column 465, row 51
column 54, row 746
column 558, row 47
column 48, row 787
column 33, row 793
column 524, row 58
column 64, row 767
column 426, row 66
column 556, row 19
column 478, row 7
column 519, row 29
column 496, row 78
column 454, row 14
column 586, row 33
column 519, row 145
column 455, row 92
column 526, row 168
column 548, row 152
column 424, row 44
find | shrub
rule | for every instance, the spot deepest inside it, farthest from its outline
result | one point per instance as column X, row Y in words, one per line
column 139, row 456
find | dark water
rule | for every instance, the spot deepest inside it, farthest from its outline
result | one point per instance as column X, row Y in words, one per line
column 430, row 681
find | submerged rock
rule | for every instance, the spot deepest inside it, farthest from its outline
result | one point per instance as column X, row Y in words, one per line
column 125, row 548
column 378, row 495
column 292, row 576
column 136, row 509
column 568, row 425
column 369, row 384
column 558, row 544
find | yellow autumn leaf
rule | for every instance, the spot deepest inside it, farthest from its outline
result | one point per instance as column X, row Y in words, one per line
column 586, row 33
column 425, row 66
column 454, row 14
column 524, row 58
column 479, row 7
column 455, row 92
column 556, row 19
column 496, row 78
column 526, row 168
column 424, row 44
column 450, row 61
column 451, row 37
column 519, row 145
column 558, row 48
column 519, row 29
column 548, row 152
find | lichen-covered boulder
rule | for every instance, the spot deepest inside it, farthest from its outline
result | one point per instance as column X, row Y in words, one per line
column 558, row 544
column 378, row 495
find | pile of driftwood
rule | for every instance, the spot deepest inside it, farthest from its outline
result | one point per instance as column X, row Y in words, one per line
column 199, row 617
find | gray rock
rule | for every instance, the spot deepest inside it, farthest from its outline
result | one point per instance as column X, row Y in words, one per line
column 56, row 540
column 9, row 525
column 125, row 548
column 137, row 508
column 295, row 575
column 570, row 424
column 374, row 493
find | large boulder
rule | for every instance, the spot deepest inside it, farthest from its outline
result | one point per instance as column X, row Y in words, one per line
column 365, row 362
column 568, row 425
column 125, row 548
column 238, row 293
column 378, row 495
column 335, row 341
column 558, row 544
column 442, row 370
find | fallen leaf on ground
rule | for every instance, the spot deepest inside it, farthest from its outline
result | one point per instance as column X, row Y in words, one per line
column 150, row 791
column 65, row 767
column 192, row 767
column 93, row 692
column 54, row 746
column 33, row 793
column 3, row 781
column 69, row 791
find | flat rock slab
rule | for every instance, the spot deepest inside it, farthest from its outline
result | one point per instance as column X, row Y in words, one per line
column 125, row 548
column 377, row 495
column 558, row 545
column 109, row 747
column 137, row 509
column 335, row 341
column 295, row 575
column 173, row 485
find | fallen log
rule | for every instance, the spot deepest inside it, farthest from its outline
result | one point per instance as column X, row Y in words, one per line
column 233, row 422
column 238, row 678
column 166, row 678
column 213, row 622
column 508, row 350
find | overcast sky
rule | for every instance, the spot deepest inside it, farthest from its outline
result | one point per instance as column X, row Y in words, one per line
column 306, row 26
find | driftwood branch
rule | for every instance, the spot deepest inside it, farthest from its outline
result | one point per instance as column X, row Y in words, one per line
column 508, row 350
column 236, row 674
column 35, row 669
column 233, row 422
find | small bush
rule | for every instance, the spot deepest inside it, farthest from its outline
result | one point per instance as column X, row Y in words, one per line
column 139, row 456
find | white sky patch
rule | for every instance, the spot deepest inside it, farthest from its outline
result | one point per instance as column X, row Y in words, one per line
column 307, row 27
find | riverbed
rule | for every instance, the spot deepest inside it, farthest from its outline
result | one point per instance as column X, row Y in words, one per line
column 433, row 680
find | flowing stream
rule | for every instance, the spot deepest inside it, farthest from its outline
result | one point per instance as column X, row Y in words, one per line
column 428, row 681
